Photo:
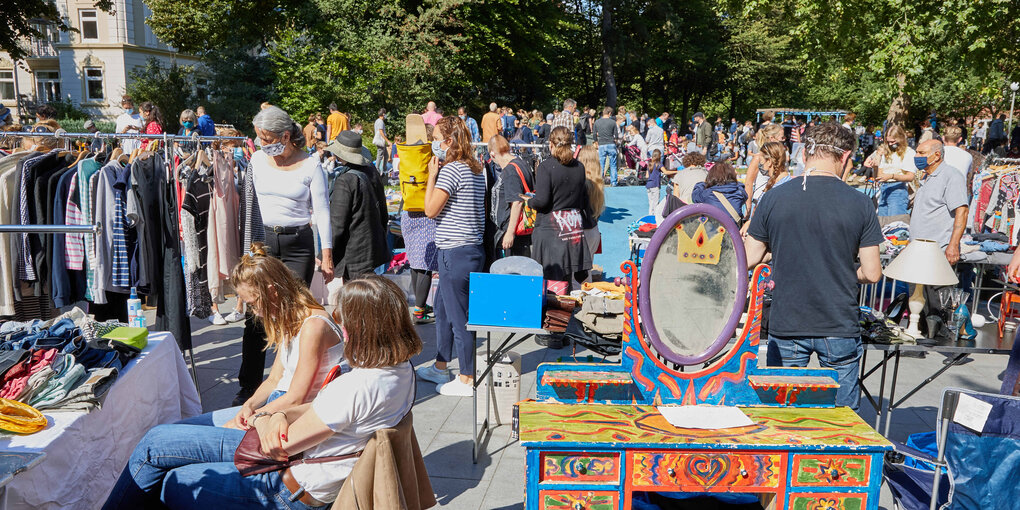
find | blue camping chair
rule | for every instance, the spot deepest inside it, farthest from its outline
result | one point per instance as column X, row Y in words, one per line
column 975, row 470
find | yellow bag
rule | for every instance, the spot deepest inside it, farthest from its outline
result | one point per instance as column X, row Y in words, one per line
column 20, row 418
column 414, row 174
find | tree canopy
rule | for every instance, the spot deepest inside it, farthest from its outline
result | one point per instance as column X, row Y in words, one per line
column 721, row 56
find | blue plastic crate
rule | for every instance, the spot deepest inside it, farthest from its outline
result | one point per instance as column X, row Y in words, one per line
column 506, row 300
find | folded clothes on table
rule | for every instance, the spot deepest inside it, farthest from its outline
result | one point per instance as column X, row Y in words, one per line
column 87, row 395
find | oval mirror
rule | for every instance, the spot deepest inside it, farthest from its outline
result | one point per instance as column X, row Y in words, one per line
column 693, row 284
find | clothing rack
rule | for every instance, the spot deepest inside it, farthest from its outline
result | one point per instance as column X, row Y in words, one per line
column 135, row 136
column 49, row 229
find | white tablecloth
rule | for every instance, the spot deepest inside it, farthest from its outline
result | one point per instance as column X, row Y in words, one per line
column 85, row 453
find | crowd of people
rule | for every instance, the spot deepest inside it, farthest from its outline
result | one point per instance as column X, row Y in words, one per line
column 322, row 207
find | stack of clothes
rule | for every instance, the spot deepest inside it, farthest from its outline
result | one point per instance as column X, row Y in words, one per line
column 978, row 247
column 59, row 365
column 897, row 236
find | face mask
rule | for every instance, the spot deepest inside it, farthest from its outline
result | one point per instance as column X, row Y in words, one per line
column 273, row 149
column 894, row 145
column 921, row 162
column 129, row 111
column 238, row 153
column 438, row 151
column 462, row 117
column 189, row 125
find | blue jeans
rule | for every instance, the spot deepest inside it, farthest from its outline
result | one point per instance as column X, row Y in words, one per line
column 220, row 417
column 841, row 354
column 455, row 268
column 893, row 199
column 608, row 153
column 189, row 466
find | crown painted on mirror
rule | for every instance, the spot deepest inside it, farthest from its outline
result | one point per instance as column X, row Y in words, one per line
column 699, row 249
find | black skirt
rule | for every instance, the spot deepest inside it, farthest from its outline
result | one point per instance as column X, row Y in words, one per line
column 558, row 244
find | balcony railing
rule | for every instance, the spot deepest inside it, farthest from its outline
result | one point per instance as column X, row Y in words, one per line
column 40, row 48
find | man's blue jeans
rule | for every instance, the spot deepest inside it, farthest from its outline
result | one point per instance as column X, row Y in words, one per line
column 191, row 466
column 607, row 153
column 841, row 354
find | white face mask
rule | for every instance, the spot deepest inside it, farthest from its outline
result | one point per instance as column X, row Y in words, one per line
column 273, row 149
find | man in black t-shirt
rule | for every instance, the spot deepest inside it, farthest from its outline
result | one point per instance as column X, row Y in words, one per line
column 605, row 135
column 815, row 226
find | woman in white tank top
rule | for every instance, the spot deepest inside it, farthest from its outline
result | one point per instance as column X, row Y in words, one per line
column 307, row 341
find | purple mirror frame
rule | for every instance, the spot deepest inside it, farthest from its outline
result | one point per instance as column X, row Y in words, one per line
column 644, row 301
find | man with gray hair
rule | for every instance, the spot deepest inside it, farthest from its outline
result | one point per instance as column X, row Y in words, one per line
column 566, row 117
column 490, row 124
column 940, row 204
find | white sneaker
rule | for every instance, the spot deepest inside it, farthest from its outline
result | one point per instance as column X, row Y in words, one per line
column 217, row 319
column 432, row 374
column 455, row 388
column 234, row 316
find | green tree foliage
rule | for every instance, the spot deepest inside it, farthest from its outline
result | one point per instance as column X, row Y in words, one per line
column 727, row 58
column 170, row 87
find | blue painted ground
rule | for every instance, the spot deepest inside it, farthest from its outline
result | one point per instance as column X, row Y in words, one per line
column 624, row 205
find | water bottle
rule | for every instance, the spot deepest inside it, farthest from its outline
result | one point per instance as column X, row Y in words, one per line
column 134, row 310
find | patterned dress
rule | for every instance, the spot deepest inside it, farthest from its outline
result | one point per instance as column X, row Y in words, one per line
column 419, row 233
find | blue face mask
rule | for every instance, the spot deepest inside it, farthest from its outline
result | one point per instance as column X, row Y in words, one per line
column 438, row 151
column 130, row 111
column 238, row 153
column 921, row 162
column 189, row 125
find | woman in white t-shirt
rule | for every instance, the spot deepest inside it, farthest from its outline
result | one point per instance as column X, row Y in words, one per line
column 187, row 466
column 307, row 342
column 894, row 165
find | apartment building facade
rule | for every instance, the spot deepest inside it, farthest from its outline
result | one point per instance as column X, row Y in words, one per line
column 90, row 67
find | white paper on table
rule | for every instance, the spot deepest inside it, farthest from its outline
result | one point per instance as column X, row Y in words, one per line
column 972, row 413
column 704, row 417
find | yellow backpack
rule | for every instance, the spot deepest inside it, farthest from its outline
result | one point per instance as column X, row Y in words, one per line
column 414, row 174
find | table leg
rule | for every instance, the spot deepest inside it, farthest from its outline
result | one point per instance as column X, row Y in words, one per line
column 475, row 435
column 978, row 282
column 194, row 373
column 955, row 361
column 881, row 393
column 892, row 394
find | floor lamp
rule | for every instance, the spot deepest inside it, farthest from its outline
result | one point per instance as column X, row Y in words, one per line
column 922, row 263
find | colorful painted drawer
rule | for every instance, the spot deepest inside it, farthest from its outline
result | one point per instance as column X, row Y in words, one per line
column 705, row 471
column 578, row 500
column 580, row 467
column 818, row 501
column 830, row 470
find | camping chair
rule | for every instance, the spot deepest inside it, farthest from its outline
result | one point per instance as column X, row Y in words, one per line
column 975, row 470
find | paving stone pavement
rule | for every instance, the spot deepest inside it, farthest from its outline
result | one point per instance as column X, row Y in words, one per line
column 443, row 424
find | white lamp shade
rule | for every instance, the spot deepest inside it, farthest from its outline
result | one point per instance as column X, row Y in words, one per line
column 923, row 262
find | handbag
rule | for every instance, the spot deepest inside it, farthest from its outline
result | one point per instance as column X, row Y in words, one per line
column 526, row 223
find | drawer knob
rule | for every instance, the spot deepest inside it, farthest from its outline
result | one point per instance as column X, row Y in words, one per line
column 582, row 470
column 671, row 472
column 743, row 473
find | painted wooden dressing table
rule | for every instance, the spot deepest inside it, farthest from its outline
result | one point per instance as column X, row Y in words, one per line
column 594, row 437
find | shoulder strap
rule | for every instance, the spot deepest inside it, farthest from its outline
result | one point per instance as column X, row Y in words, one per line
column 329, row 322
column 726, row 204
column 524, row 183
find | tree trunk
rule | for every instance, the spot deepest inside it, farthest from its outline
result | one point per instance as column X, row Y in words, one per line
column 733, row 102
column 607, row 57
column 900, row 107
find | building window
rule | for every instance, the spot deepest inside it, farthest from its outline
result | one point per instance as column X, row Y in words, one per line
column 7, row 85
column 202, row 88
column 89, row 25
column 47, row 85
column 94, row 84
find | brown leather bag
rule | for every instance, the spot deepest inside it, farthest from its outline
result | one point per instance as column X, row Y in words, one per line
column 250, row 460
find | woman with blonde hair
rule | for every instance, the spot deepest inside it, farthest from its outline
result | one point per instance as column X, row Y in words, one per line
column 594, row 183
column 757, row 174
column 893, row 163
column 186, row 466
column 455, row 197
column 306, row 340
column 562, row 203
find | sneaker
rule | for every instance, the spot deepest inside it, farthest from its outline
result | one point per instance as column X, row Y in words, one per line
column 234, row 316
column 455, row 388
column 432, row 374
column 423, row 315
column 217, row 319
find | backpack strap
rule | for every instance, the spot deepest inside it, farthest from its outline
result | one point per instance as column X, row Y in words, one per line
column 726, row 205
